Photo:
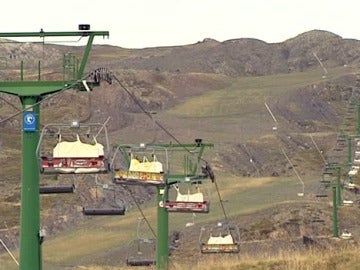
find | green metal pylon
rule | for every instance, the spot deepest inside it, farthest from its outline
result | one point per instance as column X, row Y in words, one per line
column 339, row 186
column 349, row 158
column 162, row 248
column 335, row 214
column 30, row 257
column 30, row 94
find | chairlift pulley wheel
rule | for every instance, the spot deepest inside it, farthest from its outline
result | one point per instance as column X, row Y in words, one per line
column 84, row 27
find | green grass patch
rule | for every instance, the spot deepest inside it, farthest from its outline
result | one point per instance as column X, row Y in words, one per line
column 247, row 93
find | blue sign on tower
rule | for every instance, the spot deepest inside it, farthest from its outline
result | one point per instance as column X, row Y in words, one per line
column 29, row 122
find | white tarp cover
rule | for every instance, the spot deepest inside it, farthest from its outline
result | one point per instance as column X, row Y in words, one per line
column 218, row 240
column 78, row 149
column 195, row 197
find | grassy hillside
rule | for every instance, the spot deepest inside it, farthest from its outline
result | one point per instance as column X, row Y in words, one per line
column 100, row 243
column 233, row 116
column 199, row 91
column 86, row 244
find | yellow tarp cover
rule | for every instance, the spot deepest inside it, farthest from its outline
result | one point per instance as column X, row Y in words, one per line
column 145, row 166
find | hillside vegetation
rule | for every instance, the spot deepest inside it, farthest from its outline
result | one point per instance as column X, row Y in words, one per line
column 217, row 92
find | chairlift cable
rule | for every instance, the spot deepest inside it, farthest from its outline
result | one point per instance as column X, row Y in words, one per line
column 171, row 135
column 286, row 156
column 39, row 102
column 42, row 42
column 317, row 148
column 9, row 103
column 106, row 121
column 251, row 158
column 176, row 140
column 146, row 112
column 150, row 116
column 9, row 252
column 296, row 173
column 33, row 105
column 57, row 92
column 221, row 201
column 139, row 208
column 87, row 117
column 272, row 115
column 13, row 243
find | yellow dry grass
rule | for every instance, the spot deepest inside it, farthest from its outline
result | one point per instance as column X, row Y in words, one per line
column 82, row 243
column 246, row 183
column 334, row 259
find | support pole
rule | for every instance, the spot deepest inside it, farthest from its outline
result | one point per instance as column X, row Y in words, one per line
column 335, row 217
column 162, row 248
column 85, row 57
column 358, row 120
column 22, row 70
column 39, row 70
column 339, row 186
column 349, row 159
column 30, row 254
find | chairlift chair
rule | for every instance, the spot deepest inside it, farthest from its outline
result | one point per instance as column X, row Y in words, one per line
column 322, row 191
column 351, row 187
column 349, row 193
column 352, row 172
column 192, row 222
column 188, row 202
column 77, row 149
column 327, row 172
column 356, row 161
column 317, row 220
column 346, row 235
column 104, row 211
column 141, row 251
column 57, row 189
column 140, row 165
column 347, row 203
column 327, row 179
column 321, row 196
column 329, row 175
column 341, row 138
column 222, row 238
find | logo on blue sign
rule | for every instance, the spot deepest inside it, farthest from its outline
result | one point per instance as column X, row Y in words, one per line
column 29, row 122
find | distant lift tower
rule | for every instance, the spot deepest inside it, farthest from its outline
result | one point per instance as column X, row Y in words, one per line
column 30, row 94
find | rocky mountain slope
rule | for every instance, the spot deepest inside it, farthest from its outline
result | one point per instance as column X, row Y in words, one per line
column 247, row 57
